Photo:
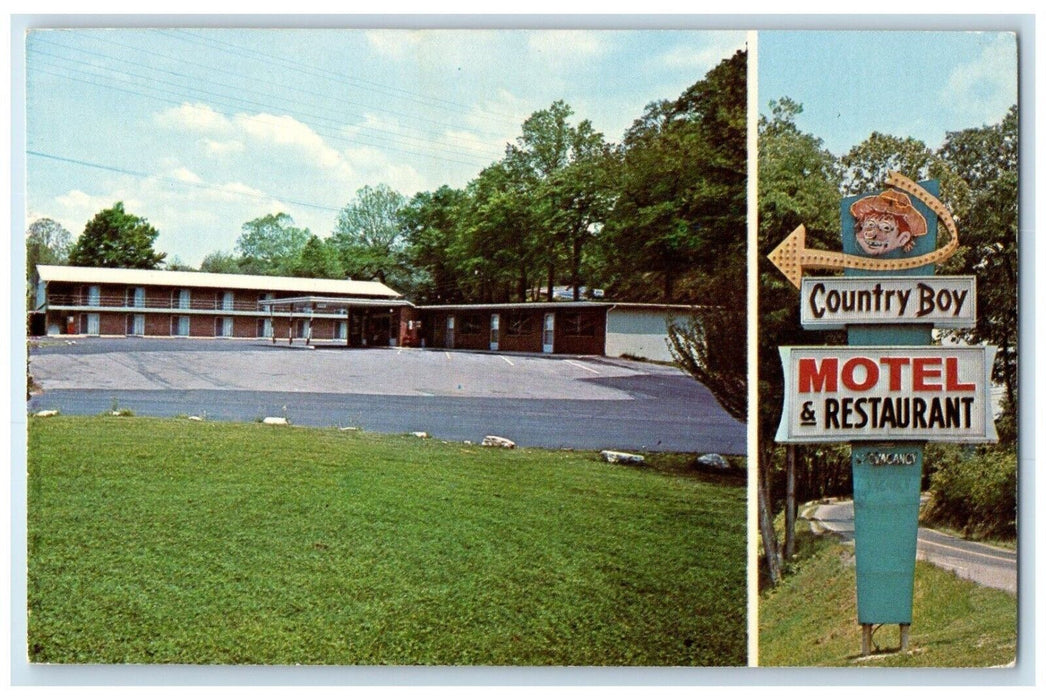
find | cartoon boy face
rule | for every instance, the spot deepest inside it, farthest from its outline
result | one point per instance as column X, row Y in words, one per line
column 878, row 234
column 885, row 222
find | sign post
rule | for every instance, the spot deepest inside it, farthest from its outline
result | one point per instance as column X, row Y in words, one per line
column 889, row 390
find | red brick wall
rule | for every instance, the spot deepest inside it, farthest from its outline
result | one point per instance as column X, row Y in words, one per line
column 565, row 342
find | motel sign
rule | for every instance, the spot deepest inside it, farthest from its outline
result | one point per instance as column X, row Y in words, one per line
column 889, row 390
column 848, row 393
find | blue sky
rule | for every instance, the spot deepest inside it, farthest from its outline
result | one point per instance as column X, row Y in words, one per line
column 918, row 84
column 200, row 131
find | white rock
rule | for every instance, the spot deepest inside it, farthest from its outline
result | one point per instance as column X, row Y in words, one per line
column 621, row 457
column 274, row 420
column 195, row 418
column 46, row 414
column 495, row 441
column 420, row 434
column 713, row 460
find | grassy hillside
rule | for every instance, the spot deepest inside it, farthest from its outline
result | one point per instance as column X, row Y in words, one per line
column 183, row 542
column 810, row 619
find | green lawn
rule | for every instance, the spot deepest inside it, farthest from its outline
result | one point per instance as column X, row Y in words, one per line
column 171, row 541
column 810, row 619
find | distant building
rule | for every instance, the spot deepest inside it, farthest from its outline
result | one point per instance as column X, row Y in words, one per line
column 159, row 303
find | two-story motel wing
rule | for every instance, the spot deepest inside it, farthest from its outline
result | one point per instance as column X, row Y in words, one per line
column 161, row 303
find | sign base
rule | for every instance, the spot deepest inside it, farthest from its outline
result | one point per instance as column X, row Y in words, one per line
column 886, row 481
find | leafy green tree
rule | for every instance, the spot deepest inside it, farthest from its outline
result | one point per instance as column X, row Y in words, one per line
column 504, row 244
column 47, row 242
column 987, row 158
column 271, row 245
column 370, row 236
column 115, row 238
column 561, row 166
column 867, row 164
column 434, row 224
column 176, row 263
column 799, row 183
column 221, row 262
column 319, row 260
column 680, row 209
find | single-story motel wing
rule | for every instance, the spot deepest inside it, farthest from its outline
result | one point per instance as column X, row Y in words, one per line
column 163, row 303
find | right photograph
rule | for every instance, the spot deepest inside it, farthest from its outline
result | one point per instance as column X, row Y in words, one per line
column 888, row 180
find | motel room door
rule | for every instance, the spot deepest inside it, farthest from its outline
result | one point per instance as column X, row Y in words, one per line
column 495, row 330
column 548, row 333
column 450, row 331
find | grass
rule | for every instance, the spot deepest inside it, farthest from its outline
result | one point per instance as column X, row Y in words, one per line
column 169, row 541
column 810, row 619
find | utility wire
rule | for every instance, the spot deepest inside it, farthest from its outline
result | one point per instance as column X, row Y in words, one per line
column 198, row 185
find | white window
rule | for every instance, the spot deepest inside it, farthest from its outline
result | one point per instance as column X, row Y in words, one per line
column 136, row 324
column 223, row 327
column 180, row 326
column 495, row 330
column 341, row 330
column 94, row 326
column 94, row 295
column 227, row 301
column 264, row 327
column 548, row 335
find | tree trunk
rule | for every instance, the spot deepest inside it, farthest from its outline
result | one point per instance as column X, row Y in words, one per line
column 789, row 546
column 766, row 532
column 575, row 268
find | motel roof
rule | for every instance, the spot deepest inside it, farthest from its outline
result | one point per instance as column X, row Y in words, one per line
column 178, row 278
column 610, row 305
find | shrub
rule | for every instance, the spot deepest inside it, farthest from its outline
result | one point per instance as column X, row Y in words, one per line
column 977, row 495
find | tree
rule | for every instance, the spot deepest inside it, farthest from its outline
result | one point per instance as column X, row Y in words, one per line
column 434, row 225
column 47, row 242
column 271, row 245
column 799, row 182
column 115, row 238
column 867, row 164
column 370, row 236
column 987, row 159
column 318, row 259
column 680, row 209
column 176, row 263
column 561, row 167
column 221, row 262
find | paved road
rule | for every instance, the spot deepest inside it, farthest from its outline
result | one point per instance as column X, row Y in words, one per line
column 558, row 401
column 986, row 565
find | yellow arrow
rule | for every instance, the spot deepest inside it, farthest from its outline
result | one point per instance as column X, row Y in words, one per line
column 792, row 256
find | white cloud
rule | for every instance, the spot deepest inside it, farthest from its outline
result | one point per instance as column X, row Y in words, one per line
column 222, row 148
column 984, row 88
column 194, row 117
column 185, row 175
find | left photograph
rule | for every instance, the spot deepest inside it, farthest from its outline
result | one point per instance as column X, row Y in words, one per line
column 385, row 347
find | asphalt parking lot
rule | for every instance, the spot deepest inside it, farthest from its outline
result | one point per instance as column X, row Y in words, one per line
column 582, row 402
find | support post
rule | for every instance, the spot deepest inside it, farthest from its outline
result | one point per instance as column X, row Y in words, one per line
column 789, row 544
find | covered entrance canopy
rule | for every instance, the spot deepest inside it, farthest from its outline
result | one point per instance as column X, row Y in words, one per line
column 356, row 322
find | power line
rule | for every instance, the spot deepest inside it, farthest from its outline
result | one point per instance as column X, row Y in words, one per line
column 198, row 185
column 330, row 136
column 152, row 81
column 241, row 88
column 390, row 90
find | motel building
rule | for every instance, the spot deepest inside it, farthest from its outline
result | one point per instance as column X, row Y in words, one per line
column 95, row 301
